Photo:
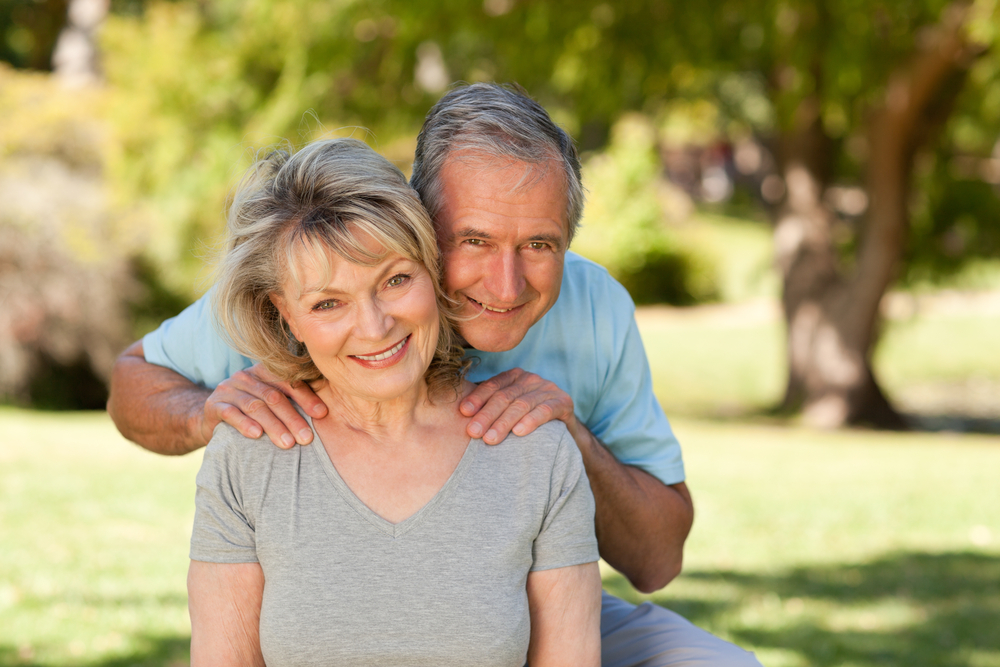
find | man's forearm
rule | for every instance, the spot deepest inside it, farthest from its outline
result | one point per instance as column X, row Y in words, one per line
column 641, row 522
column 156, row 407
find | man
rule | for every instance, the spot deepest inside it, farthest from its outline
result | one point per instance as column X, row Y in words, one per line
column 502, row 183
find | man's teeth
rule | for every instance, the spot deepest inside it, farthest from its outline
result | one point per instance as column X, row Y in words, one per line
column 493, row 310
column 384, row 355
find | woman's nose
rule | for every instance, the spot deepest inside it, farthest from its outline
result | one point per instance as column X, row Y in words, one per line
column 373, row 321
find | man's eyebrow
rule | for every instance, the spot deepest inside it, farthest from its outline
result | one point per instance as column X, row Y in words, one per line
column 472, row 232
column 552, row 239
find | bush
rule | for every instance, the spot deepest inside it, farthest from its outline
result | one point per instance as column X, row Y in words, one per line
column 624, row 226
column 69, row 284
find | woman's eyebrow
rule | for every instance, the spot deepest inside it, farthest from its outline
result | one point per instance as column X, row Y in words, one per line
column 328, row 289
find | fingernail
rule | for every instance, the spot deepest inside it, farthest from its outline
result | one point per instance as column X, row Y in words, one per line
column 519, row 429
column 490, row 436
column 256, row 432
column 468, row 407
column 318, row 411
column 305, row 435
column 476, row 430
column 288, row 440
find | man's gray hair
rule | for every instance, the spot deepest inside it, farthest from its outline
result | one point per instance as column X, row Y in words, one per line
column 494, row 121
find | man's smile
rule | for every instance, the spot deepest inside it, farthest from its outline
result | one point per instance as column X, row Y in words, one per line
column 491, row 309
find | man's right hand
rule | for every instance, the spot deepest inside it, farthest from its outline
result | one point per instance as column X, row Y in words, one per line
column 254, row 402
column 168, row 414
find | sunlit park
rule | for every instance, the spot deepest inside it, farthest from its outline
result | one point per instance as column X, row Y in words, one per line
column 802, row 198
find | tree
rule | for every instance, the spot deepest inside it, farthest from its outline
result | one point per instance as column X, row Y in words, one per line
column 831, row 311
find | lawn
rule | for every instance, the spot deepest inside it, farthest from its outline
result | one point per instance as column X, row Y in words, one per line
column 850, row 548
column 729, row 360
column 93, row 552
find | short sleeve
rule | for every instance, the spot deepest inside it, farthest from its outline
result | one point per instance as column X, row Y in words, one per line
column 223, row 523
column 567, row 534
column 627, row 416
column 190, row 344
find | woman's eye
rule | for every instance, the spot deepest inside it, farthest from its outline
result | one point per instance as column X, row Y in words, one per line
column 329, row 304
column 396, row 281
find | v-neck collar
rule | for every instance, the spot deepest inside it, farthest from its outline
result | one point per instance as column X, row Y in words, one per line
column 393, row 530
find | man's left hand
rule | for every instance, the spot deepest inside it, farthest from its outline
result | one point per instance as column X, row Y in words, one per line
column 515, row 401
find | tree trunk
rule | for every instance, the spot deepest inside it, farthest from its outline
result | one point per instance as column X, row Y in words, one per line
column 831, row 311
column 75, row 60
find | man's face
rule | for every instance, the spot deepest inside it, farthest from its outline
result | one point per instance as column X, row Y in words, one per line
column 503, row 242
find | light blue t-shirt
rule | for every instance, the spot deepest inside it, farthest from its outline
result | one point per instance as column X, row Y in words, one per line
column 587, row 344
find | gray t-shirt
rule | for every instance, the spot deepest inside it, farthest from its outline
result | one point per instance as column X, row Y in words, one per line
column 343, row 586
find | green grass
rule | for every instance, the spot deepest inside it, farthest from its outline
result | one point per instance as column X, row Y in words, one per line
column 944, row 348
column 93, row 544
column 731, row 361
column 705, row 365
column 851, row 548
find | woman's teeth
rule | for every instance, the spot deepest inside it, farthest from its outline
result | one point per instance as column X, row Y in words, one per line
column 384, row 355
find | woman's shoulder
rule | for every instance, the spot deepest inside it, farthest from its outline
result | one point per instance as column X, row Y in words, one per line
column 232, row 450
column 546, row 444
column 549, row 434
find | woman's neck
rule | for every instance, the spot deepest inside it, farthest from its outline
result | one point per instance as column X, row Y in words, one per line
column 385, row 421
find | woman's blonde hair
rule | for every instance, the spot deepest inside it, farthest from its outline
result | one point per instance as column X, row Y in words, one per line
column 320, row 199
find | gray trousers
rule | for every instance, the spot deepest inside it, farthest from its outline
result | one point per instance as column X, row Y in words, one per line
column 651, row 636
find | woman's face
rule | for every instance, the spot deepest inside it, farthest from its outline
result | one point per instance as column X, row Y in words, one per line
column 371, row 330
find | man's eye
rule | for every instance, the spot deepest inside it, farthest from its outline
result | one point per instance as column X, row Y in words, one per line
column 538, row 245
column 474, row 241
column 397, row 280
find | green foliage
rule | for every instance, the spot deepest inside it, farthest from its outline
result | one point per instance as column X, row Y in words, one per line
column 624, row 227
column 29, row 30
column 197, row 86
column 64, row 278
column 42, row 119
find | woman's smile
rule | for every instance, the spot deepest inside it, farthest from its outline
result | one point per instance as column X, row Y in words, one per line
column 385, row 358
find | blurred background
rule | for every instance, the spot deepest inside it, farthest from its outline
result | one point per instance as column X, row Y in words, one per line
column 802, row 197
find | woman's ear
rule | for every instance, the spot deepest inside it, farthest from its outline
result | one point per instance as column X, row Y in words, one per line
column 279, row 303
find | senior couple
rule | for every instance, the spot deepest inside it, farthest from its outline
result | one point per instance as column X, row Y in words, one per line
column 431, row 521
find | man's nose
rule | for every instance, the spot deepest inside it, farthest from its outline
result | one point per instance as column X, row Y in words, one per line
column 504, row 278
column 373, row 322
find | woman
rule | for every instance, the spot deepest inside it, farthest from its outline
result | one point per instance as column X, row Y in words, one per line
column 393, row 540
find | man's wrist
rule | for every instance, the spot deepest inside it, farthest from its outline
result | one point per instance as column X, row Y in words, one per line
column 586, row 442
column 198, row 433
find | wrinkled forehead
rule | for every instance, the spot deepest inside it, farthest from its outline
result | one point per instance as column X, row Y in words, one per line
column 310, row 260
column 473, row 176
column 511, row 174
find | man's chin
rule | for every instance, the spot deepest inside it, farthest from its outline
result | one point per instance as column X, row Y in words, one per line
column 489, row 339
